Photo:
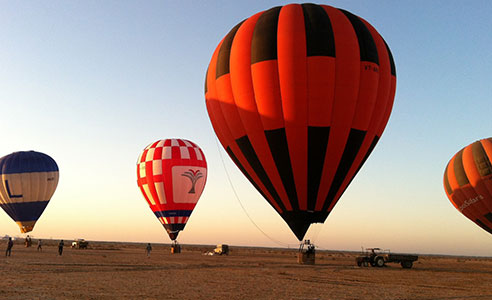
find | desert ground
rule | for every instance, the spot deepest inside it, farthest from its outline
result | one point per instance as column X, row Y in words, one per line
column 123, row 271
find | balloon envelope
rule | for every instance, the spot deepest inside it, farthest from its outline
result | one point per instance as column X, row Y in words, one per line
column 171, row 175
column 29, row 180
column 468, row 182
column 299, row 96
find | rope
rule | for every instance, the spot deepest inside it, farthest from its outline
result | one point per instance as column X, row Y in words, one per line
column 316, row 230
column 241, row 204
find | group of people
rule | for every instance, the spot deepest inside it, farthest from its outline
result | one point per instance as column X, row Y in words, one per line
column 28, row 243
column 10, row 244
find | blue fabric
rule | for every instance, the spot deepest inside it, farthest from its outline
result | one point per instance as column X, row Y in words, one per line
column 27, row 162
column 173, row 213
column 25, row 211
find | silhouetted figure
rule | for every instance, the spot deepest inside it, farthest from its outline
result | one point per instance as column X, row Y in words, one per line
column 60, row 247
column 39, row 245
column 28, row 241
column 149, row 248
column 10, row 244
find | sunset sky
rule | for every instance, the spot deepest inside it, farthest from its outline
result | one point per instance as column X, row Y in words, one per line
column 92, row 83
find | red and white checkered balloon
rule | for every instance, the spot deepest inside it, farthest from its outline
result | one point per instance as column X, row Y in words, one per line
column 172, row 174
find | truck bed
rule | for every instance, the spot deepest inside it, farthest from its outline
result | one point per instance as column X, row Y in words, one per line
column 401, row 257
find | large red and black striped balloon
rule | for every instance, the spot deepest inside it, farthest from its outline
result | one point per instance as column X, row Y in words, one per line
column 468, row 182
column 299, row 96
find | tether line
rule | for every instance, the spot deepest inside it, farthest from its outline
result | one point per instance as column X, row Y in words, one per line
column 241, row 204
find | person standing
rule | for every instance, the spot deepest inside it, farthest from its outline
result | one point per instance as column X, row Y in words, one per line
column 39, row 245
column 27, row 241
column 149, row 249
column 10, row 244
column 60, row 247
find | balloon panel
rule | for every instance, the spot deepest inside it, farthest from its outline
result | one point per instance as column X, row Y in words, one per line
column 187, row 183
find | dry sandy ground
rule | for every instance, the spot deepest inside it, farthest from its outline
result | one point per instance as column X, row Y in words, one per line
column 122, row 271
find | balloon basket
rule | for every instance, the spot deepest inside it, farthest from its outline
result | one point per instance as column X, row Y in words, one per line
column 175, row 248
column 306, row 254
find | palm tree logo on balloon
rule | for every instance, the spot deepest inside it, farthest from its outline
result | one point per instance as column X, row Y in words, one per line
column 193, row 176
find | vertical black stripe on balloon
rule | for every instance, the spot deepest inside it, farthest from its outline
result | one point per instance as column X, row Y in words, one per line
column 488, row 216
column 459, row 170
column 352, row 147
column 367, row 46
column 206, row 80
column 277, row 141
column 320, row 40
column 366, row 156
column 481, row 160
column 447, row 186
column 485, row 227
column 264, row 41
column 250, row 155
column 392, row 62
column 375, row 140
column 225, row 52
column 317, row 143
column 243, row 170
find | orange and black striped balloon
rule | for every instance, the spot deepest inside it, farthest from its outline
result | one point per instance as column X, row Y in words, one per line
column 468, row 182
column 299, row 96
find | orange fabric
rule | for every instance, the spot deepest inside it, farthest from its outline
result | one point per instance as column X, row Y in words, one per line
column 222, row 129
column 347, row 69
column 474, row 200
column 267, row 93
column 228, row 106
column 291, row 41
column 320, row 89
column 244, row 96
column 379, row 107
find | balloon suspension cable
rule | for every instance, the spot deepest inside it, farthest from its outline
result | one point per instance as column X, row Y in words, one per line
column 316, row 230
column 241, row 204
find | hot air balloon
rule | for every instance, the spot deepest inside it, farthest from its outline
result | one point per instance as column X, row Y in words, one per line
column 29, row 180
column 468, row 182
column 298, row 96
column 171, row 174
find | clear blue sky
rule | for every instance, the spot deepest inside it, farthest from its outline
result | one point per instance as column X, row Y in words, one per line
column 91, row 83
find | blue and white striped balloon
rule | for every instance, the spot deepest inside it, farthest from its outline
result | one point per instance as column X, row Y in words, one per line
column 28, row 180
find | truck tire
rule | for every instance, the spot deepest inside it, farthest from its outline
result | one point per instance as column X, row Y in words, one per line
column 406, row 264
column 379, row 261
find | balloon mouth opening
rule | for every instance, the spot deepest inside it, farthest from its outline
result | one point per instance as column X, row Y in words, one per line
column 173, row 230
column 26, row 227
column 173, row 235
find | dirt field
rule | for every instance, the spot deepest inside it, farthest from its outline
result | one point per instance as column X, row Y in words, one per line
column 122, row 271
